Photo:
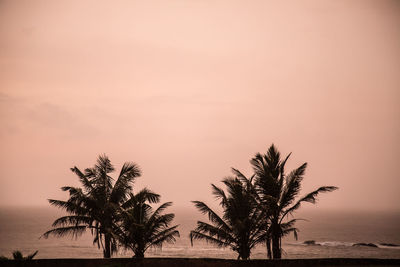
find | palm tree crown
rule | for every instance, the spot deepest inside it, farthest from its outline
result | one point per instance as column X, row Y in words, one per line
column 96, row 204
column 141, row 227
column 278, row 192
column 242, row 225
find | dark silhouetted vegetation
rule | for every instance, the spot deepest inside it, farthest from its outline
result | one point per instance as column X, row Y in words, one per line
column 256, row 212
column 141, row 227
column 100, row 205
column 277, row 192
column 17, row 255
column 242, row 225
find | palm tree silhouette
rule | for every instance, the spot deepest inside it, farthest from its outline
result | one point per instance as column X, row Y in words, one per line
column 278, row 191
column 141, row 227
column 97, row 204
column 243, row 223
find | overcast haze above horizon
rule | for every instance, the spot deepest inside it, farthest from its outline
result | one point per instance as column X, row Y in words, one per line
column 189, row 89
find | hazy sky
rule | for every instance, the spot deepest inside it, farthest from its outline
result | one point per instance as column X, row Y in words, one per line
column 188, row 89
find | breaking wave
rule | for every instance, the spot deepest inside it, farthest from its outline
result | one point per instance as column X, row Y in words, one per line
column 346, row 244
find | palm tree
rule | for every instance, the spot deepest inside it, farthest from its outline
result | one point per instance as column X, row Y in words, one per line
column 97, row 204
column 242, row 225
column 278, row 192
column 141, row 227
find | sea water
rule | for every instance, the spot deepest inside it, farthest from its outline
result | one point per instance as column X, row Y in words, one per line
column 334, row 233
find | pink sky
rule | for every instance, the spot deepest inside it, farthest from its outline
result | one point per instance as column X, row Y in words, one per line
column 188, row 89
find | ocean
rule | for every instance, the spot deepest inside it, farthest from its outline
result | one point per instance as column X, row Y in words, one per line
column 334, row 234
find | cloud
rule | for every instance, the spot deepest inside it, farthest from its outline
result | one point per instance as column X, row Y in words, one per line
column 51, row 115
column 6, row 98
column 60, row 120
column 25, row 116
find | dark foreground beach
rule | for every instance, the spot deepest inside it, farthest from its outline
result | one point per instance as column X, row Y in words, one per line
column 204, row 262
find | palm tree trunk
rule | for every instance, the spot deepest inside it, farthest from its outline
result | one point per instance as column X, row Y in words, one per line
column 107, row 244
column 276, row 244
column 276, row 248
column 244, row 252
column 269, row 248
column 139, row 253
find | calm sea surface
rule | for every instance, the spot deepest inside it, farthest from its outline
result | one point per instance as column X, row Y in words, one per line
column 334, row 233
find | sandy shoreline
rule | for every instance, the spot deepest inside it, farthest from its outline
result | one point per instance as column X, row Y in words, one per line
column 206, row 262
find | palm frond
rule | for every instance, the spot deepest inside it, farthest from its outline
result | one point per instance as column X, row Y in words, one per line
column 282, row 174
column 75, row 231
column 289, row 224
column 148, row 195
column 291, row 230
column 259, row 238
column 292, row 186
column 258, row 164
column 212, row 216
column 123, row 185
column 246, row 181
column 83, row 179
column 68, row 206
column 72, row 220
column 219, row 194
column 282, row 165
column 167, row 235
column 90, row 174
column 215, row 231
column 310, row 197
column 103, row 164
column 239, row 175
column 160, row 209
column 200, row 236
